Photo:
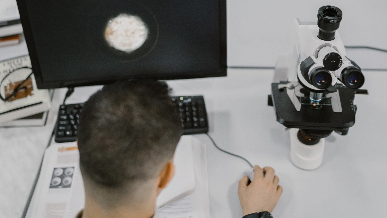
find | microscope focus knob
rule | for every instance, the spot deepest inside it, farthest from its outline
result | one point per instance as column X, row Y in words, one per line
column 332, row 61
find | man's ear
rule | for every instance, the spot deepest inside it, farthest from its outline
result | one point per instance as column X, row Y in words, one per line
column 166, row 174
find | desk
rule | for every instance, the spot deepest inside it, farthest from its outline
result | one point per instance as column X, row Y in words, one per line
column 351, row 182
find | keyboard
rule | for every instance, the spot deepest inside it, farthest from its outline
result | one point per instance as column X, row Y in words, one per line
column 192, row 111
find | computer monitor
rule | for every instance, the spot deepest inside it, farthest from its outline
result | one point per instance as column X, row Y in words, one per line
column 78, row 43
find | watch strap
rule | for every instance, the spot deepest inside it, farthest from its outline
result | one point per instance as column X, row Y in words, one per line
column 265, row 214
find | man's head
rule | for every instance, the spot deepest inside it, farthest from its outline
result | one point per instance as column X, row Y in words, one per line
column 128, row 133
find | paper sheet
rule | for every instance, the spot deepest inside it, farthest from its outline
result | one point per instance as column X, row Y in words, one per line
column 195, row 205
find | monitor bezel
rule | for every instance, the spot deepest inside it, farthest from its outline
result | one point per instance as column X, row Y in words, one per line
column 28, row 35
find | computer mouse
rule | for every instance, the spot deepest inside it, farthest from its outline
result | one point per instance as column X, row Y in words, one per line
column 250, row 174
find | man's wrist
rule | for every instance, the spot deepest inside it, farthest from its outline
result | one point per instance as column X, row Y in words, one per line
column 264, row 214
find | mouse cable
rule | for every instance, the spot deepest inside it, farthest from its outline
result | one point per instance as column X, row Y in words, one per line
column 235, row 155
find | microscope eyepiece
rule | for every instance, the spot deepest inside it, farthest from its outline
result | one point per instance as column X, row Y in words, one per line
column 352, row 77
column 320, row 78
column 329, row 18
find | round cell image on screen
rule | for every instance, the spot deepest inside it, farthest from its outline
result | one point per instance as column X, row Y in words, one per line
column 62, row 177
column 126, row 32
column 122, row 31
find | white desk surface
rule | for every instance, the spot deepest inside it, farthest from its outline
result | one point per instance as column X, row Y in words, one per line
column 351, row 182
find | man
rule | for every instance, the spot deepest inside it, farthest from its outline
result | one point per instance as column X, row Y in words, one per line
column 127, row 136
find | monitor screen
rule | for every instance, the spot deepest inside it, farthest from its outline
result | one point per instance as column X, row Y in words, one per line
column 77, row 43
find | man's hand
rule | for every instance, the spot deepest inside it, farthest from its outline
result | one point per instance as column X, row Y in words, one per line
column 262, row 194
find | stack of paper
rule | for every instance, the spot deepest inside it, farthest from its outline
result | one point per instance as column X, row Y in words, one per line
column 29, row 99
column 9, row 18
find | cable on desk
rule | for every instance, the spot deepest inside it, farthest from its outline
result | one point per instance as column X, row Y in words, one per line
column 366, row 47
column 70, row 91
column 235, row 155
column 37, row 177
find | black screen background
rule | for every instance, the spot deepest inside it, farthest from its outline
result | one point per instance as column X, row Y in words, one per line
column 67, row 36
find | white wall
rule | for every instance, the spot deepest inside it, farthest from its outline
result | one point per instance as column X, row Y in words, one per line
column 260, row 30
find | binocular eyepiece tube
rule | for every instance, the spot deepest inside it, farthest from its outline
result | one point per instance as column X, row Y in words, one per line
column 328, row 20
column 352, row 77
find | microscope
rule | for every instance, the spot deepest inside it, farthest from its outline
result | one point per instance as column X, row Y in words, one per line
column 314, row 88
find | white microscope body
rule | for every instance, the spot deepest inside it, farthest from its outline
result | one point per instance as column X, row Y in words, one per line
column 316, row 68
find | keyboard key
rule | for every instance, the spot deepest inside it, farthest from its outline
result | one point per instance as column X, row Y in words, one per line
column 194, row 113
column 60, row 133
column 62, row 112
column 68, row 127
column 196, row 124
column 61, row 128
column 63, row 122
column 63, row 117
column 71, row 117
column 69, row 133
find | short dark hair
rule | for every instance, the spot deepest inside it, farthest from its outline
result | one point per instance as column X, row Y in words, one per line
column 127, row 132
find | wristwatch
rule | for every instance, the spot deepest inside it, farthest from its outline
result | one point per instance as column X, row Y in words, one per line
column 265, row 214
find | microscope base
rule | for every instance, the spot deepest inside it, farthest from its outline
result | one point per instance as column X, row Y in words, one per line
column 307, row 157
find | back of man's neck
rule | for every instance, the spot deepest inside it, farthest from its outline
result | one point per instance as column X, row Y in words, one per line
column 117, row 214
column 135, row 211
